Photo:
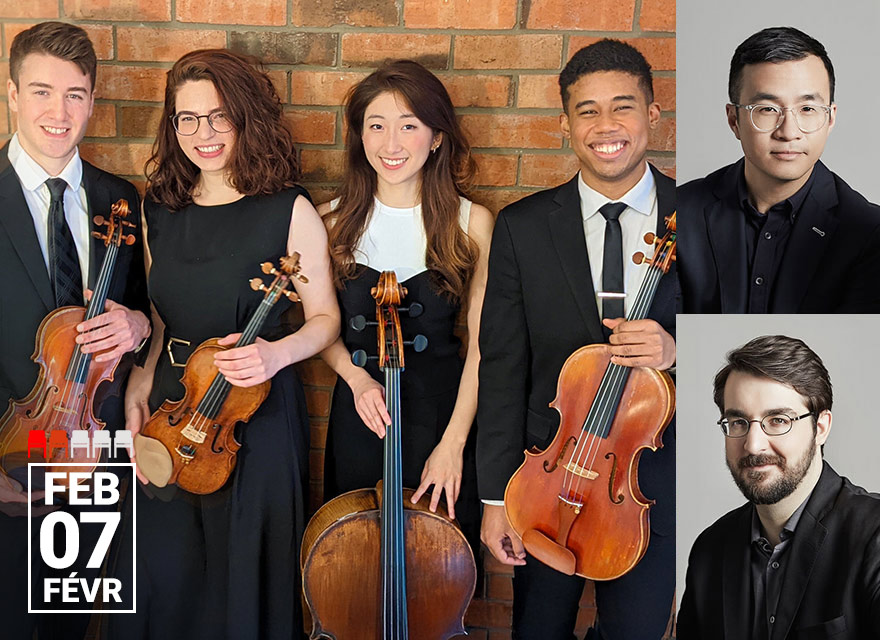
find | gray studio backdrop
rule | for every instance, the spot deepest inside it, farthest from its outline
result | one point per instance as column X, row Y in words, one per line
column 708, row 31
column 849, row 345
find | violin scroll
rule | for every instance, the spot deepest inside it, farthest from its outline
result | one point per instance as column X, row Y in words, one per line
column 664, row 254
column 115, row 225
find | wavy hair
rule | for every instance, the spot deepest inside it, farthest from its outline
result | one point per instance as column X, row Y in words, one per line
column 263, row 158
column 448, row 173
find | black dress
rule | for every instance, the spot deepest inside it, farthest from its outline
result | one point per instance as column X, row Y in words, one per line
column 223, row 565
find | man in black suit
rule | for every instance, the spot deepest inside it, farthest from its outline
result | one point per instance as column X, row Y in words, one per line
column 777, row 232
column 48, row 196
column 557, row 282
column 801, row 559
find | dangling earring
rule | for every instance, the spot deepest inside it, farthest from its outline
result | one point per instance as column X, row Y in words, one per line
column 434, row 148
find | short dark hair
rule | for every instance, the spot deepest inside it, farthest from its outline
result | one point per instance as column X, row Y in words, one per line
column 775, row 44
column 607, row 55
column 59, row 39
column 786, row 360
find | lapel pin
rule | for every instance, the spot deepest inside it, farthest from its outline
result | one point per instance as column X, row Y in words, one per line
column 819, row 231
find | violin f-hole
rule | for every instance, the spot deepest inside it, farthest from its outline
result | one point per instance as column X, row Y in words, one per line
column 571, row 440
column 217, row 432
column 611, row 479
column 31, row 413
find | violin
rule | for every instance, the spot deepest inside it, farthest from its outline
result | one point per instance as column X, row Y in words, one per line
column 577, row 504
column 191, row 441
column 374, row 565
column 62, row 399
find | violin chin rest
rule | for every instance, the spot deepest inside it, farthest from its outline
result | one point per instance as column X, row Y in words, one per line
column 549, row 552
column 153, row 460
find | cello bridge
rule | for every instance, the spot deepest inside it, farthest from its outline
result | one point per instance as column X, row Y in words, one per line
column 192, row 433
column 578, row 470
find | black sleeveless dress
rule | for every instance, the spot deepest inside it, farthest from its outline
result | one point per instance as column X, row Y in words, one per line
column 223, row 565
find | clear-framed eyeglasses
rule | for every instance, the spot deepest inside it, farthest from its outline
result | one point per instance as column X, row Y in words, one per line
column 769, row 117
column 187, row 123
column 776, row 424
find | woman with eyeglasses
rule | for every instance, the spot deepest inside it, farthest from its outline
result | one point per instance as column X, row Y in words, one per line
column 403, row 206
column 222, row 197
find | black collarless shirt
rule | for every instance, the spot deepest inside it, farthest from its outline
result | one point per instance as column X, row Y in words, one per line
column 766, row 239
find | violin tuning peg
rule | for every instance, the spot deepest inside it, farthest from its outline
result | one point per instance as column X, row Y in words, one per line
column 98, row 234
column 359, row 323
column 359, row 358
column 291, row 295
column 650, row 238
column 257, row 284
column 126, row 223
column 268, row 268
column 99, row 220
column 413, row 311
column 419, row 343
column 640, row 258
column 129, row 239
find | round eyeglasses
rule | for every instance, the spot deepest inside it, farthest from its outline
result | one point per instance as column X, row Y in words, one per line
column 769, row 117
column 776, row 424
column 186, row 123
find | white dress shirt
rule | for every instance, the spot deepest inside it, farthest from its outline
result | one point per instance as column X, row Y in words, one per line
column 33, row 181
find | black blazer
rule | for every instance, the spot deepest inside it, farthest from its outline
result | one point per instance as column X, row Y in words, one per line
column 539, row 308
column 831, row 263
column 831, row 587
column 25, row 289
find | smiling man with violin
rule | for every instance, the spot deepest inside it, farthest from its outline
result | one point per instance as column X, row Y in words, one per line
column 48, row 257
column 801, row 559
column 560, row 278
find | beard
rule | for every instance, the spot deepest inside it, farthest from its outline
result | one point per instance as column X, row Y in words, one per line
column 750, row 481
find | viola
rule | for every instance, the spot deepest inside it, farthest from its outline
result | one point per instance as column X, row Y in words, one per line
column 63, row 397
column 374, row 565
column 577, row 504
column 191, row 441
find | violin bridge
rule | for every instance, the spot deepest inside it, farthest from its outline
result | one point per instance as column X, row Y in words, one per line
column 192, row 433
column 61, row 409
column 578, row 470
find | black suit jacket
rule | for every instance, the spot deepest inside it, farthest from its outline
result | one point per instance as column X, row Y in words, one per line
column 831, row 587
column 25, row 289
column 539, row 308
column 831, row 263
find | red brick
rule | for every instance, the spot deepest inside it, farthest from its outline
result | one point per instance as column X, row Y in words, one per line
column 496, row 170
column 496, row 199
column 485, row 613
column 539, row 92
column 657, row 15
column 599, row 15
column 318, row 434
column 165, row 45
column 251, row 12
column 491, row 563
column 121, row 159
column 279, row 79
column 322, row 165
column 320, row 194
column 460, row 14
column 666, row 164
column 659, row 52
column 508, row 52
column 315, row 372
column 512, row 131
column 317, row 49
column 101, row 36
column 546, row 170
column 478, row 91
column 357, row 13
column 372, row 49
column 316, row 499
column 318, row 401
column 321, row 87
column 496, row 634
column 585, row 619
column 116, row 82
column 312, row 127
column 140, row 10
column 31, row 9
column 140, row 122
column 664, row 93
column 316, row 464
column 4, row 119
column 499, row 587
column 663, row 137
column 473, row 634
column 102, row 124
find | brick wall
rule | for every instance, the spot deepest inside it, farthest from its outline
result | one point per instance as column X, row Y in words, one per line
column 498, row 58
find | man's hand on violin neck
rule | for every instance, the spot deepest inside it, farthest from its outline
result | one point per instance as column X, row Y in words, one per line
column 500, row 538
column 641, row 343
column 116, row 331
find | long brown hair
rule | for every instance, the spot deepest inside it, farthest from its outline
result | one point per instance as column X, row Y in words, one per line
column 263, row 159
column 447, row 174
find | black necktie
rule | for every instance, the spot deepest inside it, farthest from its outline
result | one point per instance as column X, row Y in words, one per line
column 612, row 260
column 64, row 269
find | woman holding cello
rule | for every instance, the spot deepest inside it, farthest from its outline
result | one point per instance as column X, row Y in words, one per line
column 221, row 199
column 402, row 206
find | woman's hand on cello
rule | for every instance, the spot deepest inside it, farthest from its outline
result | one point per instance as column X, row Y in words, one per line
column 443, row 470
column 250, row 365
column 369, row 400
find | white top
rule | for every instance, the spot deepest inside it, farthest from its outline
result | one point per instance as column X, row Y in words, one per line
column 36, row 193
column 394, row 239
column 639, row 218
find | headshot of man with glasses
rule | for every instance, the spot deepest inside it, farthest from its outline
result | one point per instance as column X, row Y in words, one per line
column 801, row 559
column 777, row 231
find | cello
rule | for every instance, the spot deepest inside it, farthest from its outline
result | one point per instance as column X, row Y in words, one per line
column 63, row 396
column 191, row 441
column 577, row 505
column 374, row 565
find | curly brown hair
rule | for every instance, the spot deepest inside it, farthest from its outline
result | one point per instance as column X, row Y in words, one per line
column 448, row 173
column 263, row 159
